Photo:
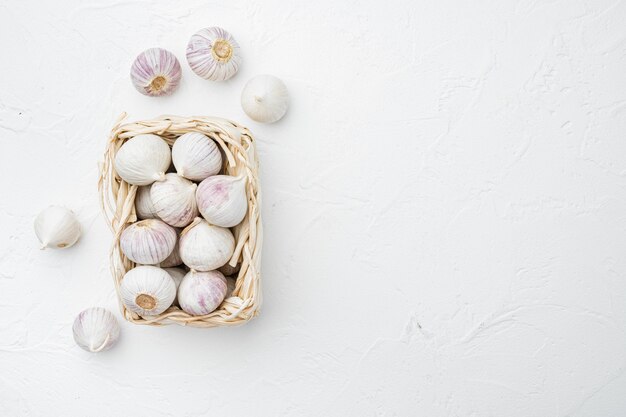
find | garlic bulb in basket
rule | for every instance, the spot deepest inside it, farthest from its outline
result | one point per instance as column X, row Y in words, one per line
column 213, row 54
column 201, row 292
column 173, row 259
column 177, row 275
column 156, row 72
column 196, row 157
column 148, row 242
column 174, row 200
column 143, row 204
column 143, row 159
column 222, row 200
column 205, row 247
column 96, row 329
column 147, row 290
column 265, row 99
column 57, row 228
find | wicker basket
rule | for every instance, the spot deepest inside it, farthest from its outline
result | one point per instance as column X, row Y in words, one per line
column 118, row 198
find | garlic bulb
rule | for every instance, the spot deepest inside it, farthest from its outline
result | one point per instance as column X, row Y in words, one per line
column 147, row 290
column 96, row 329
column 265, row 99
column 222, row 200
column 57, row 228
column 201, row 292
column 213, row 54
column 177, row 275
column 143, row 204
column 174, row 200
column 205, row 247
column 173, row 259
column 143, row 159
column 148, row 242
column 230, row 270
column 231, row 283
column 156, row 72
column 196, row 157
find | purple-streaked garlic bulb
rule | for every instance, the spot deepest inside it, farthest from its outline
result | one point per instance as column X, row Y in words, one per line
column 143, row 159
column 201, row 293
column 177, row 275
column 174, row 200
column 231, row 283
column 148, row 242
column 196, row 157
column 96, row 329
column 156, row 72
column 143, row 204
column 265, row 99
column 205, row 247
column 222, row 200
column 213, row 54
column 173, row 259
column 148, row 290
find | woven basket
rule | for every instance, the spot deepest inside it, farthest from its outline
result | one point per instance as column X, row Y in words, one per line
column 118, row 204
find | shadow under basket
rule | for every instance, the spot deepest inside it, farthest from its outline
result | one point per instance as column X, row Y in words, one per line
column 118, row 204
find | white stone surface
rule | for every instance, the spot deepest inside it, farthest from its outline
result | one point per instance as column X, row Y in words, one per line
column 444, row 206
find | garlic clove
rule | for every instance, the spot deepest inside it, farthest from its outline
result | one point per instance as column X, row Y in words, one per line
column 205, row 247
column 156, row 72
column 174, row 200
column 265, row 99
column 213, row 54
column 143, row 159
column 148, row 242
column 143, row 204
column 173, row 259
column 231, row 283
column 57, row 228
column 177, row 275
column 147, row 290
column 96, row 329
column 222, row 200
column 201, row 293
column 196, row 157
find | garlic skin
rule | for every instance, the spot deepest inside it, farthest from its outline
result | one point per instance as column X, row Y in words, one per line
column 174, row 200
column 205, row 247
column 213, row 54
column 147, row 290
column 148, row 242
column 143, row 159
column 156, row 72
column 177, row 275
column 196, row 157
column 201, row 293
column 143, row 204
column 173, row 259
column 265, row 99
column 222, row 200
column 57, row 228
column 96, row 329
column 231, row 283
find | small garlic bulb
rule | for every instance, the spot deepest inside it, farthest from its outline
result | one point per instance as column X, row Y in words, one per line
column 173, row 259
column 156, row 72
column 143, row 204
column 147, row 290
column 177, row 275
column 148, row 242
column 265, row 99
column 231, row 283
column 201, row 293
column 196, row 157
column 222, row 200
column 143, row 159
column 96, row 329
column 174, row 200
column 213, row 54
column 205, row 247
column 57, row 228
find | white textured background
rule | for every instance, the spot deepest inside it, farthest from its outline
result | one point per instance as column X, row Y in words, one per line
column 444, row 206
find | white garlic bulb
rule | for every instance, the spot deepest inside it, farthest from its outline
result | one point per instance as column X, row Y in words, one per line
column 147, row 290
column 96, row 329
column 148, row 242
column 265, row 99
column 213, row 54
column 205, row 247
column 177, row 275
column 174, row 200
column 143, row 204
column 231, row 283
column 173, row 259
column 143, row 159
column 196, row 157
column 222, row 200
column 156, row 72
column 201, row 293
column 57, row 228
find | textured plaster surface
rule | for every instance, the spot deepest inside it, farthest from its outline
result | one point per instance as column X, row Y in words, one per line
column 444, row 206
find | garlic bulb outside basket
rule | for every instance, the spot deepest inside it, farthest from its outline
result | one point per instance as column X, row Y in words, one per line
column 143, row 204
column 57, row 228
column 201, row 293
column 148, row 242
column 96, row 329
column 177, row 275
column 174, row 200
column 196, row 156
column 213, row 54
column 265, row 99
column 222, row 200
column 147, row 290
column 205, row 247
column 143, row 159
column 156, row 72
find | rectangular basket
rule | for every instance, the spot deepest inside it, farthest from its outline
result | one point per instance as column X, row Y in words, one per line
column 118, row 204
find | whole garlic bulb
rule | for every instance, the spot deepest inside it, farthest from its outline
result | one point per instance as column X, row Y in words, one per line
column 173, row 259
column 174, row 200
column 177, row 275
column 213, row 54
column 205, row 247
column 156, row 72
column 147, row 290
column 265, row 99
column 57, row 228
column 201, row 293
column 143, row 159
column 222, row 200
column 143, row 204
column 96, row 329
column 196, row 157
column 148, row 242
